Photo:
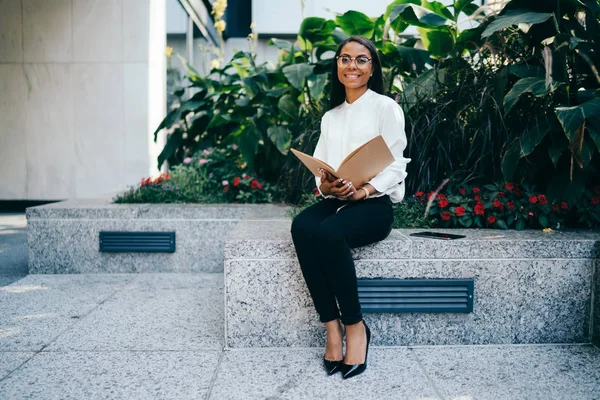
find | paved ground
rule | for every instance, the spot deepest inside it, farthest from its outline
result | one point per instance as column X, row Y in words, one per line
column 160, row 336
column 125, row 336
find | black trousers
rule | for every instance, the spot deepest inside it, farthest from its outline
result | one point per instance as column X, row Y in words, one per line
column 323, row 239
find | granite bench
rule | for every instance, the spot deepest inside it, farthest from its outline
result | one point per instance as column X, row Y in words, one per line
column 530, row 287
column 64, row 237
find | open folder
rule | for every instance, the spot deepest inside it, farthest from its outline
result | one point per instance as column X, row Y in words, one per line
column 359, row 167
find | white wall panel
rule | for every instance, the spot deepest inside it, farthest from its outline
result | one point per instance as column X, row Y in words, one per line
column 49, row 131
column 47, row 33
column 11, row 31
column 98, row 30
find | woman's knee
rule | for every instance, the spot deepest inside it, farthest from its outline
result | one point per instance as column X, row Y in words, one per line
column 329, row 231
column 303, row 225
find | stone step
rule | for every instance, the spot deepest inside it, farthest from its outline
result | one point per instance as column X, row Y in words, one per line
column 530, row 287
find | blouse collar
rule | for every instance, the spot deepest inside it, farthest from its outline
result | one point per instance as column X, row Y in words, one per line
column 359, row 100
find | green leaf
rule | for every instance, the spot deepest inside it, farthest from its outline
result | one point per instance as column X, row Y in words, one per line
column 510, row 159
column 219, row 120
column 316, row 85
column 315, row 29
column 536, row 86
column 525, row 70
column 296, row 74
column 571, row 118
column 288, row 106
column 554, row 152
column 520, row 225
column 461, row 4
column 515, row 17
column 355, row 23
column 339, row 36
column 501, row 224
column 398, row 25
column 439, row 42
column 282, row 45
column 438, row 8
column 173, row 142
column 543, row 221
column 594, row 132
column 417, row 15
column 281, row 138
column 248, row 142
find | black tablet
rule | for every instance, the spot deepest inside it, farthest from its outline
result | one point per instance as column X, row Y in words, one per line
column 438, row 235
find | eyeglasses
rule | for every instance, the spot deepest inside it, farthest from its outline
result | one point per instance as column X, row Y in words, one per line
column 345, row 61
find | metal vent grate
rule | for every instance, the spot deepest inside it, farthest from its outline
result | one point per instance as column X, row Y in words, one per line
column 416, row 295
column 154, row 242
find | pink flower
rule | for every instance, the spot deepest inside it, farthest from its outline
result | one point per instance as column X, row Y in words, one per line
column 225, row 183
column 234, row 146
column 203, row 161
column 187, row 160
column 206, row 151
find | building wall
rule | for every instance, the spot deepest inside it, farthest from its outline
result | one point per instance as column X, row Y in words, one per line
column 73, row 97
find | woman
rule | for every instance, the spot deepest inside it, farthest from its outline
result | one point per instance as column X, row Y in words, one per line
column 349, row 216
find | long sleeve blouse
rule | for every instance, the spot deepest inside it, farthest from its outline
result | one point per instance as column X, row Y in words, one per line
column 350, row 125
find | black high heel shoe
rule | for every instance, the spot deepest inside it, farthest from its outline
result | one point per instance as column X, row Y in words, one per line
column 348, row 371
column 332, row 366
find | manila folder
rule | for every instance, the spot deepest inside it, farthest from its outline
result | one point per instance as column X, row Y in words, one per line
column 358, row 167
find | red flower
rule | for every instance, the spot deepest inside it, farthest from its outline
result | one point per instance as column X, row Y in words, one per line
column 595, row 200
column 497, row 203
column 446, row 216
column 226, row 188
column 509, row 186
column 459, row 211
column 479, row 208
column 419, row 194
column 542, row 199
column 564, row 205
column 533, row 199
column 254, row 184
column 477, row 198
column 236, row 181
column 146, row 181
column 476, row 190
column 500, row 195
column 554, row 207
column 462, row 191
column 441, row 196
column 259, row 186
column 491, row 219
column 443, row 203
column 316, row 191
column 511, row 204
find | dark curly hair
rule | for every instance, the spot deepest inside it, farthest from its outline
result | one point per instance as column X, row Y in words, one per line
column 338, row 91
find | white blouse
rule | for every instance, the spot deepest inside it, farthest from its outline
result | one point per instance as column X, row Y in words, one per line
column 349, row 126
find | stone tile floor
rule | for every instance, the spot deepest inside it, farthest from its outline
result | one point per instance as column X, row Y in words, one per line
column 160, row 336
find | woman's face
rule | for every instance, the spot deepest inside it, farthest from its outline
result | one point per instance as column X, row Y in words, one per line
column 354, row 75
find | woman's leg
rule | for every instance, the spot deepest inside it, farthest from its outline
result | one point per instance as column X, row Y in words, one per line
column 304, row 232
column 356, row 225
column 305, row 228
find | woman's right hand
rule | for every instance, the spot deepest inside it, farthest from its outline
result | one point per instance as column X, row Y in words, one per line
column 331, row 186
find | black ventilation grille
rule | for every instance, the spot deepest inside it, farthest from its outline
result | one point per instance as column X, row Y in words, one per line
column 415, row 295
column 153, row 242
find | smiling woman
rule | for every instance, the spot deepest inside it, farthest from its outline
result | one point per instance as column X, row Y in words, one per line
column 349, row 216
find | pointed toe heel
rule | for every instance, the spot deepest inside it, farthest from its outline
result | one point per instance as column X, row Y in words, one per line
column 348, row 371
column 332, row 366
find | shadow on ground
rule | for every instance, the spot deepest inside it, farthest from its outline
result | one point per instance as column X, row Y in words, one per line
column 13, row 247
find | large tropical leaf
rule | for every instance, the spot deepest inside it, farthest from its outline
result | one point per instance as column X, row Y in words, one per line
column 296, row 74
column 439, row 42
column 465, row 6
column 438, row 8
column 248, row 141
column 515, row 17
column 316, row 85
column 355, row 23
column 173, row 142
column 536, row 86
column 315, row 29
column 417, row 16
column 281, row 138
column 398, row 25
column 572, row 118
